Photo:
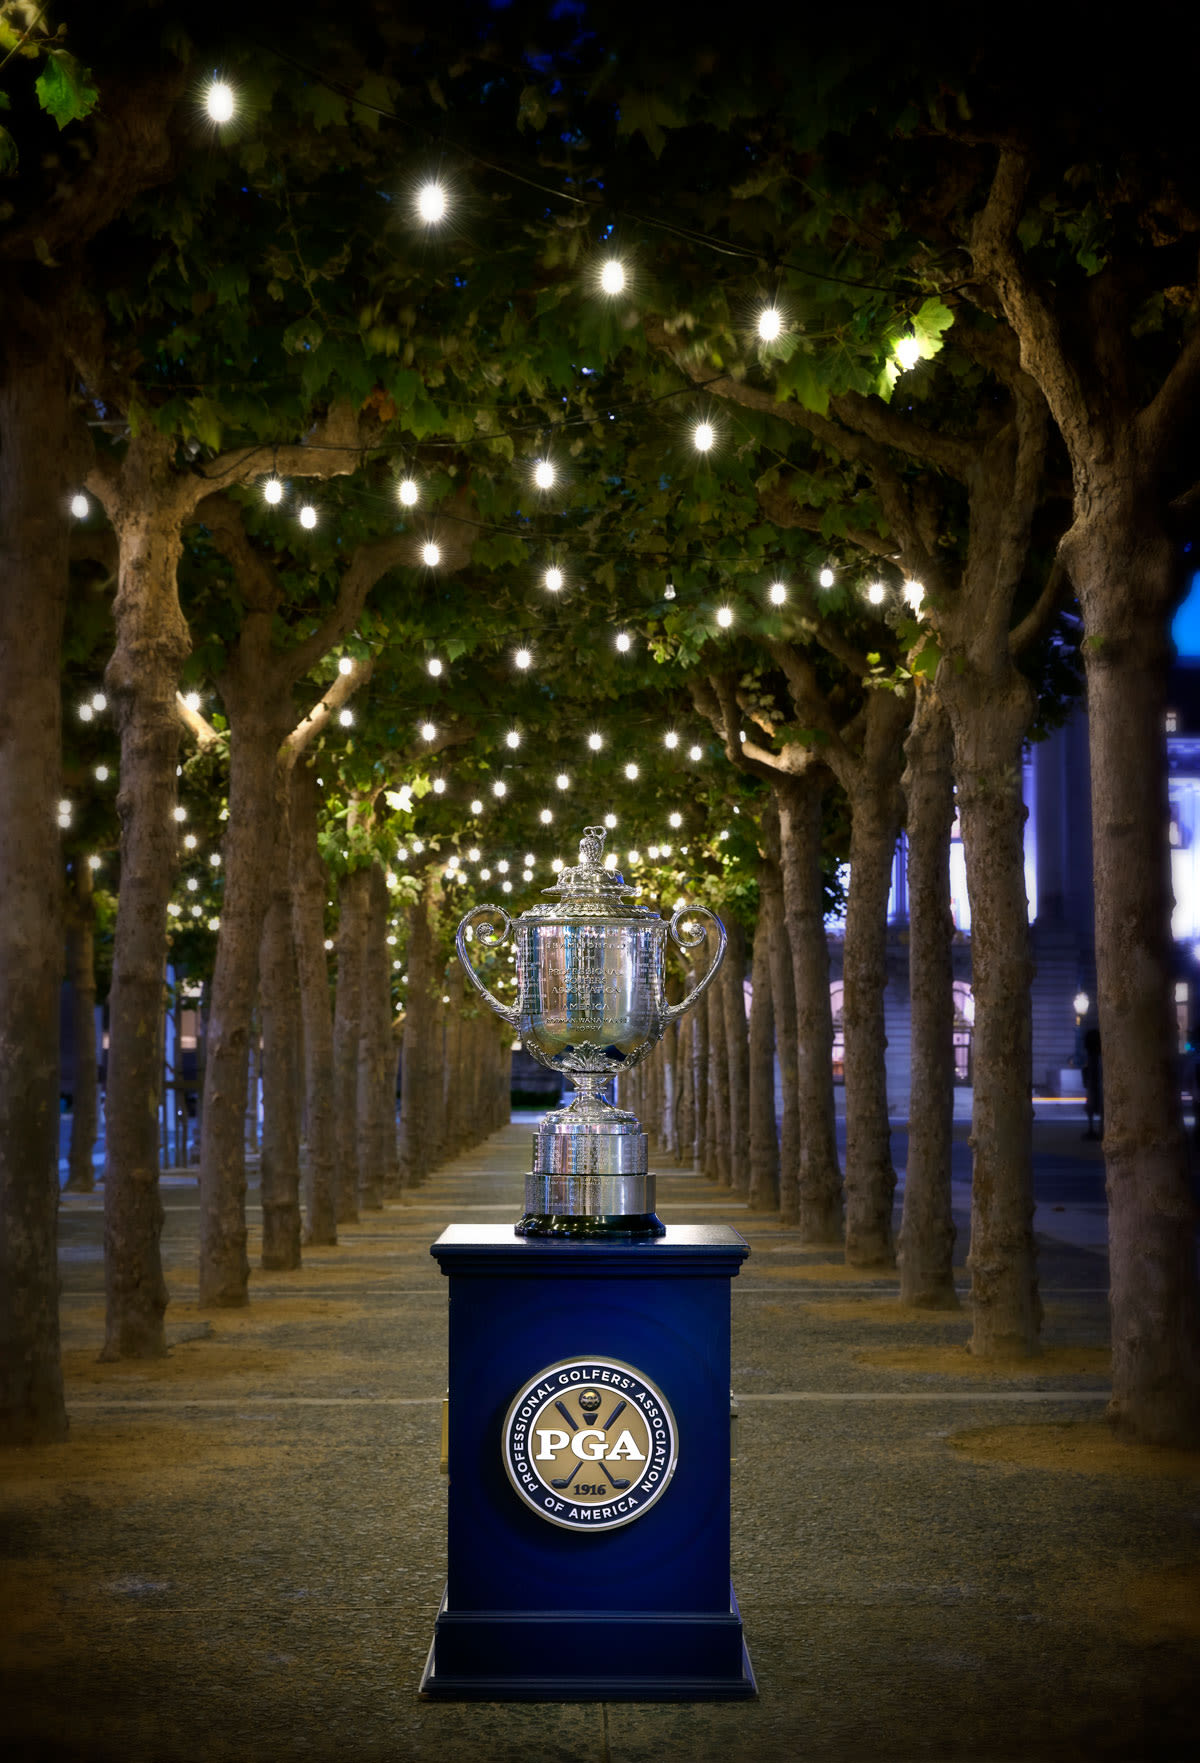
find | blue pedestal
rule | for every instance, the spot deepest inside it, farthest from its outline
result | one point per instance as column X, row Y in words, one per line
column 537, row 1611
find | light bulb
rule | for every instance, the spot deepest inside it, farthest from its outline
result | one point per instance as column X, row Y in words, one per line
column 345, row 717
column 671, row 739
column 431, row 202
column 635, row 857
column 875, row 593
column 703, row 436
column 914, row 593
column 192, row 700
column 434, row 667
column 769, row 324
column 427, row 731
column 557, row 865
column 502, row 866
column 623, row 642
column 523, row 659
column 562, row 781
column 80, row 505
column 439, row 786
column 665, row 849
column 190, row 842
column 101, row 774
column 826, row 577
column 215, row 859
column 193, row 886
column 527, row 875
column 431, row 555
column 485, row 875
column 545, row 817
column 86, row 713
column 777, row 593
column 908, row 353
column 473, row 854
column 553, row 579
column 512, row 738
column 218, row 101
column 345, row 664
column 477, row 806
column 499, row 788
column 595, row 742
column 401, row 854
column 669, row 591
column 529, row 860
column 724, row 617
column 695, row 753
column 94, row 861
column 610, row 820
column 273, row 491
column 543, row 474
column 676, row 820
column 99, row 701
column 328, row 943
column 612, row 276
column 631, row 772
column 418, row 845
column 610, row 862
column 308, row 516
column 652, row 853
column 174, row 909
column 408, row 492
column 180, row 812
column 505, row 888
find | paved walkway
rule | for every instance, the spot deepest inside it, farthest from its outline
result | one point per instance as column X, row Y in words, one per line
column 239, row 1552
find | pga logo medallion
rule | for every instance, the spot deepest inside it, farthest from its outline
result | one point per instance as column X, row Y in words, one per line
column 590, row 1444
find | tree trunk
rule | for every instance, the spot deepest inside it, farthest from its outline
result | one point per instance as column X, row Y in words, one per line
column 772, row 927
column 699, row 1057
column 927, row 1229
column 764, row 1138
column 376, row 1065
column 309, row 881
column 718, row 1086
column 989, row 724
column 247, row 852
column 353, row 909
column 1120, row 573
column 279, row 994
column 420, row 1092
column 820, row 1185
column 870, row 1177
column 81, row 972
column 732, row 984
column 38, row 451
column 141, row 677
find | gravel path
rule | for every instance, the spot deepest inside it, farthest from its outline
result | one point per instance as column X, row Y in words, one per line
column 239, row 1552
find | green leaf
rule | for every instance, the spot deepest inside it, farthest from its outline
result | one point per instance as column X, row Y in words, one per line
column 649, row 115
column 64, row 88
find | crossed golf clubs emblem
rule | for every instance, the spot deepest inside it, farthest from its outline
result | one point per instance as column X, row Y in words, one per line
column 589, row 1407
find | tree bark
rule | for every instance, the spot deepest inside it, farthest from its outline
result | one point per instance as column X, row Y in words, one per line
column 783, row 1000
column 420, row 1087
column 700, row 1141
column 820, row 1185
column 141, row 678
column 1121, row 568
column 718, row 1086
column 309, row 882
column 376, row 1064
column 279, row 995
column 353, row 909
column 81, row 973
column 927, row 1231
column 732, row 984
column 38, row 454
column 989, row 724
column 764, row 1138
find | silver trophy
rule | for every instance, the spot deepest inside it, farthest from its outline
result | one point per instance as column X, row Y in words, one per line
column 591, row 1002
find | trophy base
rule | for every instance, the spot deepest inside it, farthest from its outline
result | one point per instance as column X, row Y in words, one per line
column 620, row 1227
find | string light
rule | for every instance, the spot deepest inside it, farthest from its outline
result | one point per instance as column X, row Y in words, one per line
column 190, row 841
column 908, row 353
column 473, row 854
column 545, row 817
column 174, row 909
column 553, row 579
column 476, row 806
column 527, row 875
column 439, row 786
column 215, row 859
column 914, row 593
column 180, row 812
column 703, row 436
column 401, row 854
column 192, row 700
column 86, row 713
column 562, row 781
column 505, row 888
column 595, row 742
column 671, row 739
column 308, row 516
column 80, row 506
column 99, row 701
column 676, row 820
column 522, row 659
column 418, row 846
column 345, row 717
column 624, row 642
column 219, row 101
column 193, row 885
column 631, row 772
column 557, row 865
column 875, row 593
column 612, row 276
column 652, row 853
column 770, row 323
column 724, row 617
column 101, row 774
column 529, row 859
column 434, row 667
column 777, row 593
column 512, row 738
column 408, row 492
column 431, row 555
column 544, row 474
column 695, row 753
column 431, row 202
column 610, row 862
column 826, row 578
column 669, row 591
column 485, row 875
column 214, row 924
column 502, row 866
column 94, row 861
column 328, row 943
column 345, row 664
column 499, row 788
column 427, row 731
column 635, row 857
column 665, row 849
column 610, row 820
column 273, row 491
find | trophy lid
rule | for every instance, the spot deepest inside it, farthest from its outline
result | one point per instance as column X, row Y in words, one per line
column 588, row 889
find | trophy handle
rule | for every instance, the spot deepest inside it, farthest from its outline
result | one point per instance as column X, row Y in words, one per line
column 491, row 939
column 683, row 940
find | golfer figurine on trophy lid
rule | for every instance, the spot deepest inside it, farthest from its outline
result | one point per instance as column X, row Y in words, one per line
column 591, row 1002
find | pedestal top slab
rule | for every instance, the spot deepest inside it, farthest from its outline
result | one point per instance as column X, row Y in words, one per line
column 705, row 1249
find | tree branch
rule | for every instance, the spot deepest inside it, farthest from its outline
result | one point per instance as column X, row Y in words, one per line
column 319, row 717
column 1043, row 610
column 333, row 447
column 202, row 732
column 1174, row 403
